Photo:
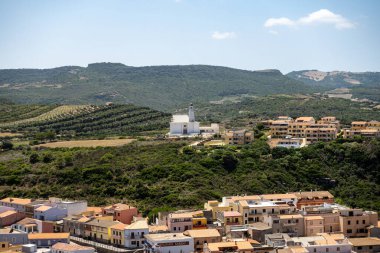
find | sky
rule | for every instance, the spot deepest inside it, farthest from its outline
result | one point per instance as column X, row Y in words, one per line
column 248, row 34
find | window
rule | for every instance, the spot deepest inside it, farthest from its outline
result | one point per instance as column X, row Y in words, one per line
column 337, row 249
column 357, row 222
column 363, row 221
column 327, row 249
column 348, row 222
column 264, row 210
column 349, row 231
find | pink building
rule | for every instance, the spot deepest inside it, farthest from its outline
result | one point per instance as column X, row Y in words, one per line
column 121, row 212
column 9, row 217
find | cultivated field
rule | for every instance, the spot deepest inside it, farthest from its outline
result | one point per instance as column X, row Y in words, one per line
column 87, row 143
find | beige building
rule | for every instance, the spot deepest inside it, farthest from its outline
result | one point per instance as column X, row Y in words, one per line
column 292, row 224
column 238, row 137
column 203, row 236
column 355, row 222
column 365, row 245
column 220, row 247
column 370, row 129
column 279, row 128
column 314, row 225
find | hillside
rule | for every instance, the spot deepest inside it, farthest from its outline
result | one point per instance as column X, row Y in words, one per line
column 160, row 87
column 82, row 120
column 156, row 175
column 361, row 84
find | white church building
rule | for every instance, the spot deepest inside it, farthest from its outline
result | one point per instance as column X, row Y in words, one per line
column 185, row 125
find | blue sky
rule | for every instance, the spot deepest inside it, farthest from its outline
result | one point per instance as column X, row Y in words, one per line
column 251, row 34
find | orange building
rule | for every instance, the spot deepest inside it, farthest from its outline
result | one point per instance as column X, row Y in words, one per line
column 121, row 212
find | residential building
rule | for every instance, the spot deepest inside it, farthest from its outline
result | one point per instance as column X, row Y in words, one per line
column 13, row 237
column 320, row 132
column 288, row 142
column 365, row 245
column 182, row 221
column 48, row 239
column 238, row 137
column 184, row 125
column 61, row 247
column 277, row 240
column 214, row 206
column 255, row 231
column 99, row 230
column 255, row 211
column 155, row 229
column 323, row 243
column 75, row 225
column 222, row 247
column 211, row 130
column 313, row 225
column 49, row 213
column 230, row 218
column 121, row 212
column 355, row 222
column 365, row 129
column 329, row 214
column 17, row 203
column 297, row 127
column 30, row 225
column 288, row 198
column 117, row 234
column 134, row 234
column 292, row 224
column 29, row 208
column 203, row 236
column 9, row 217
column 168, row 243
column 279, row 128
column 313, row 198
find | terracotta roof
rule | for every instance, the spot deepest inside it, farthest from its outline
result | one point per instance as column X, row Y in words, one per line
column 291, row 216
column 368, row 241
column 94, row 209
column 37, row 236
column 70, row 247
column 43, row 208
column 313, row 194
column 278, row 196
column 139, row 224
column 102, row 223
column 84, row 219
column 158, row 228
column 202, row 233
column 119, row 207
column 118, row 226
column 313, row 218
column 26, row 221
column 219, row 246
column 231, row 214
column 7, row 213
column 16, row 201
column 185, row 214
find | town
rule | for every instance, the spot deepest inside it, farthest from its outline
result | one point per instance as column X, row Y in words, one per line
column 288, row 223
column 281, row 132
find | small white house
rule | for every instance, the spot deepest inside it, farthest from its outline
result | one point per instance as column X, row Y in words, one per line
column 134, row 234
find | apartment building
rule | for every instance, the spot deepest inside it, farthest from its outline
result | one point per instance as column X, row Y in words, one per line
column 279, row 128
column 322, row 243
column 50, row 213
column 238, row 137
column 297, row 127
column 182, row 221
column 256, row 211
column 30, row 225
column 313, row 225
column 313, row 198
column 292, row 224
column 75, row 225
column 220, row 247
column 9, row 217
column 17, row 203
column 117, row 234
column 73, row 207
column 365, row 245
column 320, row 132
column 330, row 120
column 99, row 230
column 355, row 222
column 13, row 237
column 135, row 234
column 121, row 212
column 202, row 237
column 227, row 218
column 48, row 239
column 370, row 129
column 168, row 243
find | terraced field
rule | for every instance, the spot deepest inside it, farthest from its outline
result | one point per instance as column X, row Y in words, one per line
column 11, row 112
column 59, row 112
column 86, row 120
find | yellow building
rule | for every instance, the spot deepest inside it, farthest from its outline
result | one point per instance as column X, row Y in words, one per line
column 202, row 237
column 99, row 230
column 117, row 234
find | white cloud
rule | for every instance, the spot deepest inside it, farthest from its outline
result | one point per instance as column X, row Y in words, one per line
column 278, row 22
column 322, row 16
column 223, row 35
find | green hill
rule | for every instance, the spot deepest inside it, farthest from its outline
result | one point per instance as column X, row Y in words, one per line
column 159, row 87
column 361, row 84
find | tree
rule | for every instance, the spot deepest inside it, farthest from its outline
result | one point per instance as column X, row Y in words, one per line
column 6, row 145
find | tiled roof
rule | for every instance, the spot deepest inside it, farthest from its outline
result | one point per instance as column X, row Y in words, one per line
column 70, row 247
column 231, row 214
column 219, row 246
column 140, row 224
column 313, row 194
column 278, row 196
column 119, row 226
column 291, row 216
column 7, row 213
column 26, row 221
column 368, row 241
column 313, row 218
column 158, row 228
column 102, row 223
column 184, row 214
column 37, row 236
column 202, row 233
column 17, row 201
